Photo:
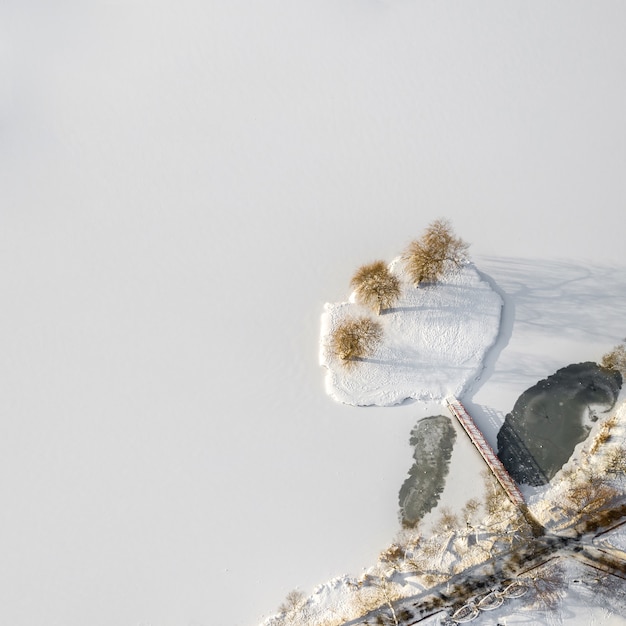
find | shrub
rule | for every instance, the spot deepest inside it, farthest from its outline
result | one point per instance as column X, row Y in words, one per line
column 356, row 338
column 470, row 510
column 428, row 258
column 392, row 554
column 446, row 521
column 375, row 286
column 604, row 434
column 615, row 359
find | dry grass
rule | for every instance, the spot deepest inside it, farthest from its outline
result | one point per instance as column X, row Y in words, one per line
column 615, row 460
column 427, row 259
column 292, row 602
column 375, row 286
column 496, row 501
column 604, row 434
column 356, row 338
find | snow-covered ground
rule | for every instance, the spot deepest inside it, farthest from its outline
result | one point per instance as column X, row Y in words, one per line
column 183, row 186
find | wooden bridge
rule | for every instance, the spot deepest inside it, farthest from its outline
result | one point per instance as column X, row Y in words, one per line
column 486, row 451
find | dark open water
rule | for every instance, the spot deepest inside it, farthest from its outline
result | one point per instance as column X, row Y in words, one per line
column 551, row 418
column 432, row 440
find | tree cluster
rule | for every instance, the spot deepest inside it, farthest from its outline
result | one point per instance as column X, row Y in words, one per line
column 378, row 288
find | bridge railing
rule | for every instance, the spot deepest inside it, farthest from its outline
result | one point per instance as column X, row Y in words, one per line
column 486, row 451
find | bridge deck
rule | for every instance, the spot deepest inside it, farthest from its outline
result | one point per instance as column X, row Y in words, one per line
column 486, row 451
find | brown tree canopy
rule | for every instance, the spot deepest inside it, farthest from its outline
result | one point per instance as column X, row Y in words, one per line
column 375, row 286
column 356, row 338
column 427, row 259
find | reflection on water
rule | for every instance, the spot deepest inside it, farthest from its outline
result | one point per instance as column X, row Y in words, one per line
column 433, row 439
column 552, row 417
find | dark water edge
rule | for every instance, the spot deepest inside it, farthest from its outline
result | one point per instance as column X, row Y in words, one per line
column 551, row 418
column 432, row 439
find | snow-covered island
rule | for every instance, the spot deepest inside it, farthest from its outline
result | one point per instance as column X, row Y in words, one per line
column 434, row 341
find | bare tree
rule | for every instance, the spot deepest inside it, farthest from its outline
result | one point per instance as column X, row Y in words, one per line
column 428, row 258
column 548, row 586
column 375, row 286
column 356, row 338
column 392, row 555
column 447, row 521
column 292, row 611
column 470, row 510
column 292, row 602
column 586, row 501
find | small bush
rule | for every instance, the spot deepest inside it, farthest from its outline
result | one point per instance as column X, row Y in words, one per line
column 615, row 359
column 356, row 338
column 292, row 603
column 604, row 434
column 375, row 286
column 392, row 554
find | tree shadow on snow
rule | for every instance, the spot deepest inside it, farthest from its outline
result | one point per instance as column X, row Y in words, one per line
column 549, row 299
column 568, row 297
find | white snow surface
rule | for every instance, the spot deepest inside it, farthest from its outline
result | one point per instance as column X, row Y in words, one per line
column 434, row 341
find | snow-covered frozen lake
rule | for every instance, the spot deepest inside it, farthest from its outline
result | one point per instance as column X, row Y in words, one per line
column 183, row 186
